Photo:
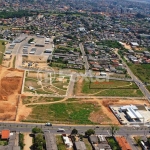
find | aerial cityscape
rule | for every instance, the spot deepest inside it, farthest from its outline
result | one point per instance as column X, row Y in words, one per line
column 75, row 75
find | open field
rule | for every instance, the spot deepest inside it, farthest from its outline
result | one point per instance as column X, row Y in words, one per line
column 63, row 112
column 2, row 49
column 111, row 88
column 10, row 88
column 46, row 83
column 86, row 111
column 142, row 71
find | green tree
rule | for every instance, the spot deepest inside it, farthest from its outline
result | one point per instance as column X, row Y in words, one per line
column 113, row 129
column 89, row 132
column 74, row 131
column 36, row 130
column 39, row 142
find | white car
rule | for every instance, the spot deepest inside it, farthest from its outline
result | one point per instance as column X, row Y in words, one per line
column 61, row 130
column 48, row 124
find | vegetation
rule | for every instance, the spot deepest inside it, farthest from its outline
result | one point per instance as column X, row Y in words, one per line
column 74, row 131
column 3, row 142
column 21, row 140
column 11, row 14
column 36, row 130
column 39, row 142
column 31, row 40
column 142, row 71
column 113, row 129
column 109, row 43
column 63, row 112
column 59, row 142
column 113, row 143
column 89, row 132
column 111, row 88
column 2, row 49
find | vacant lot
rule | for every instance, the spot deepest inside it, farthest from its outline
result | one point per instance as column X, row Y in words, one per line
column 10, row 87
column 2, row 49
column 46, row 83
column 142, row 71
column 111, row 88
column 82, row 113
column 113, row 143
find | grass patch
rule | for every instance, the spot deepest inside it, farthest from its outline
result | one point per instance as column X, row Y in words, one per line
column 60, row 143
column 148, row 87
column 142, row 71
column 75, row 113
column 3, row 142
column 2, row 49
column 113, row 143
column 21, row 140
column 116, row 88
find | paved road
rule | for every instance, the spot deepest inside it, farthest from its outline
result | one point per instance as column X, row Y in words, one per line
column 138, row 82
column 126, row 131
column 86, row 64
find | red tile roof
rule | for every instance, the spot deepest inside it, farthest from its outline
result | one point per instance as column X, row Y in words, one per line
column 5, row 134
column 123, row 143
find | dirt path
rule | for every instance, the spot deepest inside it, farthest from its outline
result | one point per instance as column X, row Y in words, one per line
column 27, row 141
column 63, row 100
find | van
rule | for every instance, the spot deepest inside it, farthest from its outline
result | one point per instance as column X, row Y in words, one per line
column 61, row 130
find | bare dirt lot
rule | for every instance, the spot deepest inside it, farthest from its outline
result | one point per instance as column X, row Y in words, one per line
column 10, row 87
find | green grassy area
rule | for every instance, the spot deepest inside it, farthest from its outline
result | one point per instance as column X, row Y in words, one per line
column 3, row 142
column 148, row 87
column 87, row 144
column 113, row 144
column 2, row 49
column 142, row 71
column 74, row 113
column 35, row 99
column 60, row 143
column 111, row 84
column 122, row 88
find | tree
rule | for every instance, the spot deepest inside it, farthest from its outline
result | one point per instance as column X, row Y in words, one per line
column 89, row 132
column 36, row 130
column 39, row 142
column 74, row 131
column 113, row 129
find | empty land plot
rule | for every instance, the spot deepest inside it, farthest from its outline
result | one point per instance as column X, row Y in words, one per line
column 37, row 99
column 110, row 88
column 142, row 71
column 82, row 113
column 46, row 83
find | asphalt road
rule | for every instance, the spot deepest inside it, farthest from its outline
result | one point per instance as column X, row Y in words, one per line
column 86, row 64
column 126, row 131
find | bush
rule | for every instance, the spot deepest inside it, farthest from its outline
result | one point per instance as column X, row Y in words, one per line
column 36, row 130
column 21, row 140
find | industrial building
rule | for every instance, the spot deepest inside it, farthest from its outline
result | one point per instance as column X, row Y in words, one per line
column 131, row 114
